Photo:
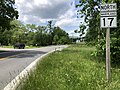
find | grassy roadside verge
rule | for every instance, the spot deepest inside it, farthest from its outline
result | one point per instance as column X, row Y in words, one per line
column 26, row 47
column 71, row 69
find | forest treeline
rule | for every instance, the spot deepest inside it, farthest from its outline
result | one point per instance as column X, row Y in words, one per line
column 31, row 34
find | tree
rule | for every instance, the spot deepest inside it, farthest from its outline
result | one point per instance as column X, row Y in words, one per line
column 30, row 34
column 90, row 10
column 8, row 13
column 6, row 37
column 50, row 30
column 55, row 39
column 18, row 32
column 31, row 27
column 50, row 26
column 41, row 36
column 81, row 31
column 59, row 36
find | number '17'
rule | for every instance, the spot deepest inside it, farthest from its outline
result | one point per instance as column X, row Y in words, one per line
column 111, row 20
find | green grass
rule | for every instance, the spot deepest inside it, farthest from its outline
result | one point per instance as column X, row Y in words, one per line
column 29, row 47
column 71, row 69
column 26, row 47
column 7, row 46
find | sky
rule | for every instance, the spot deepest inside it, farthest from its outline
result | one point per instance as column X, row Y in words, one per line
column 61, row 12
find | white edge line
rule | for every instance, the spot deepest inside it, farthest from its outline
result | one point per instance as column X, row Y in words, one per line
column 16, row 81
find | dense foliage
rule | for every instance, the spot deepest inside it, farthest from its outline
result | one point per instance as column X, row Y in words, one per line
column 90, row 9
column 34, row 35
column 7, row 13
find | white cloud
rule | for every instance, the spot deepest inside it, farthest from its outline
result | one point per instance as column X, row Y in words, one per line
column 44, row 9
column 40, row 11
column 67, row 22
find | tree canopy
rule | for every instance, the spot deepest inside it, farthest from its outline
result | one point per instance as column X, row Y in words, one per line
column 31, row 34
column 8, row 13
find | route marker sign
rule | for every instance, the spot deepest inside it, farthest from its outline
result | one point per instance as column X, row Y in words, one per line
column 108, row 15
column 108, row 20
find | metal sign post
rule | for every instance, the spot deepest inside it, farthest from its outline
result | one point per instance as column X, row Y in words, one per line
column 108, row 20
column 108, row 65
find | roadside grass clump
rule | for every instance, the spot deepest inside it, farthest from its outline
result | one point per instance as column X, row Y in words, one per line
column 7, row 46
column 71, row 69
column 26, row 47
column 29, row 47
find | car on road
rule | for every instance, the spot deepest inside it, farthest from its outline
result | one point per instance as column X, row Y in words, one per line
column 19, row 46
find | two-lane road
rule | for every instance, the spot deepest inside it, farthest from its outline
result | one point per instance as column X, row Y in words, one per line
column 13, row 61
column 6, row 54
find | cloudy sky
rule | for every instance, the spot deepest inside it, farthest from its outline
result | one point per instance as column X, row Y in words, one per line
column 62, row 12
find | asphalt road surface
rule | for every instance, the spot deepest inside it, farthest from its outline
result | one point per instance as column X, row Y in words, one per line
column 13, row 61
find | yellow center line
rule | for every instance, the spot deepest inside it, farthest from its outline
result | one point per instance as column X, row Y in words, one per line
column 12, row 56
column 2, row 59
